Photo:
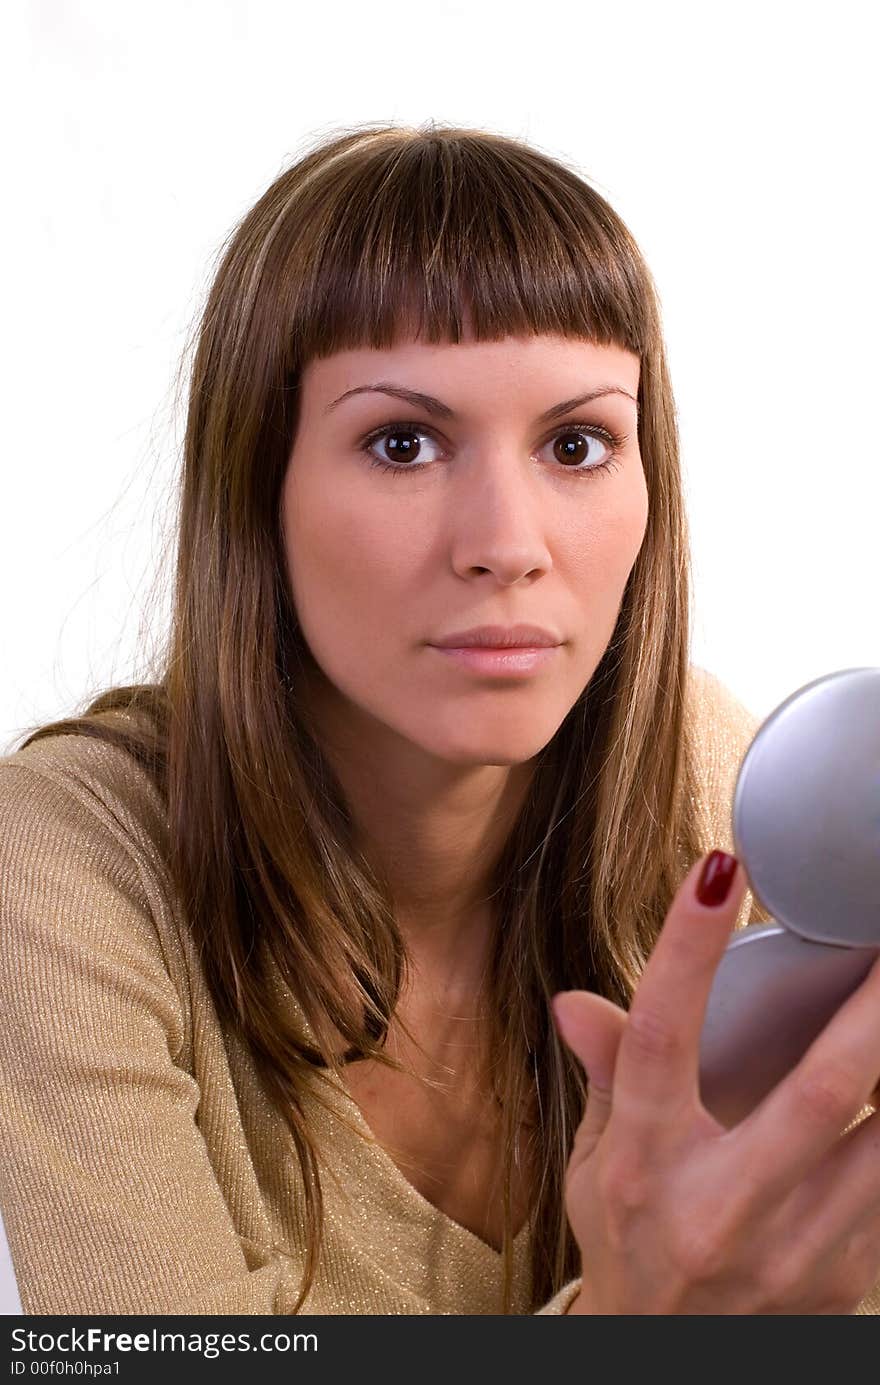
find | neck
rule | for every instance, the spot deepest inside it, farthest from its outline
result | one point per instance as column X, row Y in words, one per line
column 432, row 831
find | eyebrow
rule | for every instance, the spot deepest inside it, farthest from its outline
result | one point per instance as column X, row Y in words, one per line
column 436, row 406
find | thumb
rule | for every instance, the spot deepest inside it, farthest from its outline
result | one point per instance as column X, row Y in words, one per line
column 592, row 1028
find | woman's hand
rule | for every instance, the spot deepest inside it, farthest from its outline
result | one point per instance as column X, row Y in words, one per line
column 675, row 1214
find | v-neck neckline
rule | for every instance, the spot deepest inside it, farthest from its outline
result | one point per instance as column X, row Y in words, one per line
column 411, row 1193
column 428, row 1212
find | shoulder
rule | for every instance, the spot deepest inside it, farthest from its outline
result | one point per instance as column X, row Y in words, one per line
column 86, row 887
column 715, row 712
column 721, row 728
column 79, row 784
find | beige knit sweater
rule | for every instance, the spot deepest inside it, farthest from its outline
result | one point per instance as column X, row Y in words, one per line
column 142, row 1170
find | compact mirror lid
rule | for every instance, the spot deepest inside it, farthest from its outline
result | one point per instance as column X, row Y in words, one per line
column 806, row 810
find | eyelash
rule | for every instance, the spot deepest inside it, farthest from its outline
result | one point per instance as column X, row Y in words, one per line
column 615, row 440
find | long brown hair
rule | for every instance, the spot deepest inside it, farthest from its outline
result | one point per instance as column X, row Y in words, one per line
column 378, row 231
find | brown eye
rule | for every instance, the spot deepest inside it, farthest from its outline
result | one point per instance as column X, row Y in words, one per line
column 401, row 443
column 574, row 448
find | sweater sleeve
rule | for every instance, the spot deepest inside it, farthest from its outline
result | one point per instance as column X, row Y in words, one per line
column 107, row 1193
column 562, row 1299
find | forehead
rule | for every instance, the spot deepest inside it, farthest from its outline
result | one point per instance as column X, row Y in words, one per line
column 470, row 365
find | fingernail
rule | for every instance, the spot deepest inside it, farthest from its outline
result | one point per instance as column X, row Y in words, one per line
column 716, row 878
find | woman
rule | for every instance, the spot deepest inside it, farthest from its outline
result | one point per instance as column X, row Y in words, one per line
column 283, row 924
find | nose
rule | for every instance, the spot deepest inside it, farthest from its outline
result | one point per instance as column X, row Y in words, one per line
column 500, row 517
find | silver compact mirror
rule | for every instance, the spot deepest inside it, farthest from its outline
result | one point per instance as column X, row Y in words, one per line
column 806, row 830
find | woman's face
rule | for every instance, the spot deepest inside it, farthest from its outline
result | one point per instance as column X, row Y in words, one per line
column 494, row 517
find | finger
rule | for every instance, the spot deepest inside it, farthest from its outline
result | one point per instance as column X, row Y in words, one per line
column 657, row 1070
column 842, row 1197
column 591, row 1026
column 806, row 1113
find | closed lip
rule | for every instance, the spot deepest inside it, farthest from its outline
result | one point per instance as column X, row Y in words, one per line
column 499, row 637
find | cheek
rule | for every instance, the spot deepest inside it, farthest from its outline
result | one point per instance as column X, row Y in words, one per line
column 609, row 540
column 347, row 566
column 627, row 531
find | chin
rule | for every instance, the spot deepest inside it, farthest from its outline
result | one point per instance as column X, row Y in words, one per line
column 504, row 751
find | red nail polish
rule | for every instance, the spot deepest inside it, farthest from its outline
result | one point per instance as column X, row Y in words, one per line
column 716, row 878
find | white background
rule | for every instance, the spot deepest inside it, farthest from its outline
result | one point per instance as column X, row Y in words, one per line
column 737, row 142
